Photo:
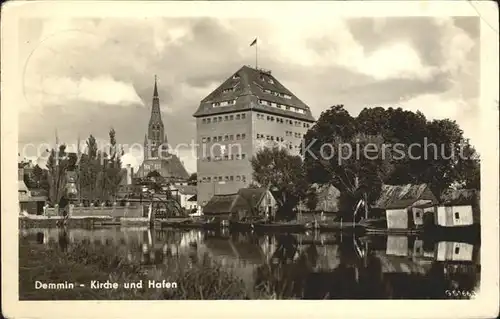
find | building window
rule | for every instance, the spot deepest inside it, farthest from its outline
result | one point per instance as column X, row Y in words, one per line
column 243, row 136
column 220, row 178
column 231, row 117
column 243, row 116
column 208, row 158
column 204, row 121
column 220, row 118
column 457, row 215
column 237, row 137
column 208, row 139
column 237, row 116
column 231, row 137
column 208, row 121
column 231, row 178
column 236, row 76
column 243, row 178
column 457, row 250
column 226, row 157
column 209, row 179
column 216, row 104
column 242, row 156
column 226, row 118
column 226, row 138
column 226, row 178
column 238, row 178
column 203, row 139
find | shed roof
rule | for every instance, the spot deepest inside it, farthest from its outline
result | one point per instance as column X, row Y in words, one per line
column 249, row 198
column 400, row 196
column 186, row 189
column 220, row 204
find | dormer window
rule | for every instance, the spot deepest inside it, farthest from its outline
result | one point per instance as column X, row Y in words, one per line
column 216, row 104
column 228, row 90
column 236, row 76
column 271, row 81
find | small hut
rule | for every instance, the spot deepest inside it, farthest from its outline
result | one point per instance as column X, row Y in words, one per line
column 405, row 205
column 246, row 203
column 459, row 208
column 220, row 206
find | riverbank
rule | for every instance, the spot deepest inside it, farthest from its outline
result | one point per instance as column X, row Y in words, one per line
column 204, row 279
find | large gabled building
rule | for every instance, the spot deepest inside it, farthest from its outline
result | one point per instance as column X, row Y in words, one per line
column 250, row 110
column 156, row 153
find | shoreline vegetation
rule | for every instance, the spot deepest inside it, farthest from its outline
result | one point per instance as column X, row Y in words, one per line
column 202, row 279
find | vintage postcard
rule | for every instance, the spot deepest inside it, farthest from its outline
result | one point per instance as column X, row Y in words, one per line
column 318, row 159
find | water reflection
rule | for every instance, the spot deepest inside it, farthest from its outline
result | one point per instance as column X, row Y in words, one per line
column 308, row 266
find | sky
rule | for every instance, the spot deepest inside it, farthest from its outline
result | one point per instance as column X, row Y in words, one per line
column 84, row 76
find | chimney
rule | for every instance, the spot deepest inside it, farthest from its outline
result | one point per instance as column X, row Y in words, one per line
column 129, row 174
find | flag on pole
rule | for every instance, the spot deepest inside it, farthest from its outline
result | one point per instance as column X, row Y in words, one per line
column 253, row 42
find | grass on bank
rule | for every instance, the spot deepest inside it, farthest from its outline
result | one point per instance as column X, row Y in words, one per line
column 202, row 280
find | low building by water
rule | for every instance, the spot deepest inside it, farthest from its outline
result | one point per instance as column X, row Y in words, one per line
column 405, row 205
column 246, row 202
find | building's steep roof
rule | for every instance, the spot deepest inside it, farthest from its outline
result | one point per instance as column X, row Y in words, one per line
column 247, row 86
column 220, row 204
column 173, row 167
column 249, row 198
column 186, row 189
column 400, row 196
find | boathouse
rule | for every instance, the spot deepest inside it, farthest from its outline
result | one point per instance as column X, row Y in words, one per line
column 247, row 202
column 406, row 206
column 458, row 208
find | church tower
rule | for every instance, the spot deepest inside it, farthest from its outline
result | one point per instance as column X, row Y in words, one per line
column 156, row 131
column 157, row 156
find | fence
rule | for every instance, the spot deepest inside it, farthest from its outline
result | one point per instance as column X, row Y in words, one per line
column 113, row 211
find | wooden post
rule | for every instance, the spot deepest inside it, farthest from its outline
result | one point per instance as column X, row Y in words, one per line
column 150, row 214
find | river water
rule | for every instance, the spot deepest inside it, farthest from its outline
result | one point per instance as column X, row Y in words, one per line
column 306, row 266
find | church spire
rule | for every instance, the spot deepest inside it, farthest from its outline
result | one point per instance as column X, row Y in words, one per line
column 155, row 109
column 155, row 92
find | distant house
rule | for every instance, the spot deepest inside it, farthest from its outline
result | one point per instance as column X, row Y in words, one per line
column 254, row 202
column 406, row 205
column 327, row 207
column 28, row 202
column 247, row 202
column 184, row 194
column 458, row 208
column 220, row 206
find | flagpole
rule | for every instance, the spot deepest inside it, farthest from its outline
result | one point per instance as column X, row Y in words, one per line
column 256, row 54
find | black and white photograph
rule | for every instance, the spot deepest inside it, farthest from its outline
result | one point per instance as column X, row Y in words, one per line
column 252, row 154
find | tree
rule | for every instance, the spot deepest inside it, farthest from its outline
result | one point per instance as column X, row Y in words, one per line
column 283, row 174
column 40, row 178
column 312, row 198
column 418, row 150
column 193, row 179
column 340, row 154
column 57, row 166
column 89, row 170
